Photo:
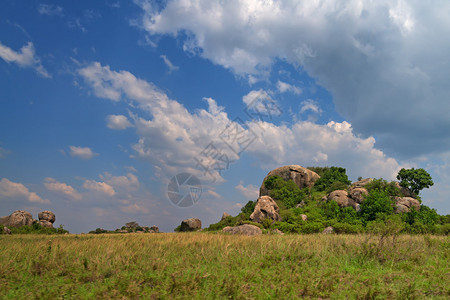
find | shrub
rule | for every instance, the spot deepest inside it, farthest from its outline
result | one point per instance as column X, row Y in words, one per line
column 37, row 229
column 312, row 227
column 286, row 193
column 330, row 176
column 347, row 228
column 377, row 204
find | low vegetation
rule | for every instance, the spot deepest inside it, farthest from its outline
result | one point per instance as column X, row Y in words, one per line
column 217, row 266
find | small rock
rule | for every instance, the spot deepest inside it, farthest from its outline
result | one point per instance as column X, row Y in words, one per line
column 192, row 224
column 301, row 204
column 224, row 216
column 277, row 231
column 328, row 230
column 304, row 217
column 6, row 230
column 246, row 229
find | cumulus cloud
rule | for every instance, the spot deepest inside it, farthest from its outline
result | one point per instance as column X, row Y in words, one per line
column 15, row 190
column 129, row 182
column 250, row 192
column 384, row 62
column 81, row 152
column 184, row 137
column 169, row 64
column 118, row 122
column 260, row 104
column 310, row 105
column 25, row 58
column 284, row 87
column 101, row 187
column 52, row 184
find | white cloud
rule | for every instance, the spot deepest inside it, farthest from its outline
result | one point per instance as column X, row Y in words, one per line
column 26, row 57
column 250, row 192
column 129, row 182
column 9, row 189
column 284, row 87
column 259, row 103
column 50, row 10
column 182, row 136
column 82, row 152
column 62, row 188
column 384, row 62
column 169, row 64
column 101, row 187
column 118, row 122
column 310, row 105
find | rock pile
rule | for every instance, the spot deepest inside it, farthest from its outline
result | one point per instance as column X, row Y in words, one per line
column 46, row 218
column 192, row 224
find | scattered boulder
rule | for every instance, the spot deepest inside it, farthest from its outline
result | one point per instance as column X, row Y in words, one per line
column 301, row 204
column 405, row 204
column 342, row 199
column 277, row 231
column 191, row 224
column 266, row 208
column 6, row 230
column 301, row 176
column 304, row 217
column 361, row 183
column 155, row 229
column 47, row 216
column 245, row 229
column 358, row 194
column 224, row 216
column 17, row 219
column 328, row 230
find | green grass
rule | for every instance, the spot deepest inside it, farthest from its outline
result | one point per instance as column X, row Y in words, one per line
column 218, row 266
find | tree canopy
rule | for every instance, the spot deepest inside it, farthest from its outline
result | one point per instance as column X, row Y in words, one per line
column 415, row 179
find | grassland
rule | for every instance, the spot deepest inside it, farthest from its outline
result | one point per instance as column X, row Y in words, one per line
column 217, row 266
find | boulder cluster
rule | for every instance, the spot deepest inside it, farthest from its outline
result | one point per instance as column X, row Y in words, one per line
column 21, row 218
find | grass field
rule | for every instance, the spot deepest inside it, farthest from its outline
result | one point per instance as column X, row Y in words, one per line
column 217, row 266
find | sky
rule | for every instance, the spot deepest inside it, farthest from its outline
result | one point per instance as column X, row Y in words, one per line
column 157, row 111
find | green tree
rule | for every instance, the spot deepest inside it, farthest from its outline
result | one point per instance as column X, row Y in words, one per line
column 377, row 204
column 415, row 179
column 333, row 176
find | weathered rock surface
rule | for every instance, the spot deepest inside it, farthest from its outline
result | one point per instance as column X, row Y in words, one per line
column 304, row 217
column 17, row 219
column 358, row 194
column 47, row 215
column 224, row 216
column 245, row 229
column 265, row 208
column 405, row 191
column 361, row 183
column 301, row 176
column 328, row 230
column 6, row 230
column 277, row 231
column 192, row 224
column 405, row 204
column 45, row 223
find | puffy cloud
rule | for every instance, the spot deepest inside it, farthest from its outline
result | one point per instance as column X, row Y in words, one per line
column 259, row 103
column 184, row 137
column 26, row 57
column 61, row 188
column 9, row 189
column 385, row 62
column 118, row 122
column 169, row 64
column 50, row 10
column 101, row 187
column 81, row 152
column 250, row 192
column 130, row 181
column 284, row 87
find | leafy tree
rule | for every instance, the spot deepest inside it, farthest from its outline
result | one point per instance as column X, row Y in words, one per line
column 330, row 177
column 248, row 208
column 286, row 193
column 377, row 204
column 415, row 179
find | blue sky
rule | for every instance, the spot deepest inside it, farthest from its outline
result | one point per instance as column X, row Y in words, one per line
column 103, row 102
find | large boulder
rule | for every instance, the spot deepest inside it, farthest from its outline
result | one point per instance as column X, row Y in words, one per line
column 265, row 208
column 301, row 176
column 245, row 229
column 405, row 191
column 358, row 194
column 47, row 215
column 191, row 224
column 17, row 219
column 341, row 198
column 405, row 204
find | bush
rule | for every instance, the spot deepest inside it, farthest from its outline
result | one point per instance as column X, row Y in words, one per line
column 347, row 228
column 313, row 227
column 286, row 193
column 37, row 229
column 330, row 176
column 377, row 204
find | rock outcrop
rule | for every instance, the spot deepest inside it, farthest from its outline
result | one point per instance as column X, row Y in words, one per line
column 46, row 218
column 245, row 229
column 17, row 219
column 224, row 216
column 342, row 198
column 266, row 208
column 405, row 204
column 155, row 229
column 358, row 194
column 361, row 183
column 405, row 191
column 301, row 176
column 192, row 224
